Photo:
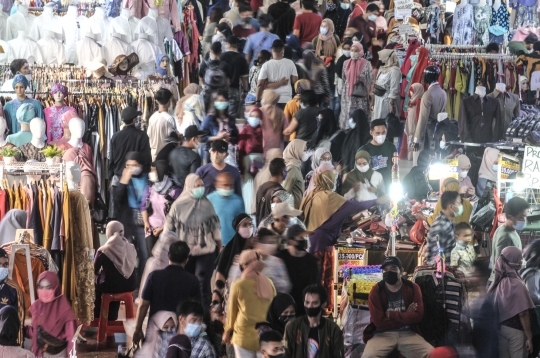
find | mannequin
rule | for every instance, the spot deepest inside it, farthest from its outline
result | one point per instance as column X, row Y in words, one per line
column 21, row 20
column 116, row 46
column 97, row 69
column 509, row 104
column 88, row 49
column 66, row 118
column 25, row 113
column 73, row 175
column 77, row 128
column 54, row 113
column 73, row 27
column 88, row 177
column 157, row 27
column 123, row 65
column 3, row 130
column 51, row 48
column 463, row 24
column 20, row 83
column 147, row 51
column 24, row 47
column 47, row 21
column 162, row 80
column 496, row 4
column 3, row 22
column 99, row 23
column 31, row 150
column 480, row 118
column 125, row 24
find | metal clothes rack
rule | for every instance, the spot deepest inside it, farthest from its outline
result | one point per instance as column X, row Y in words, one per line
column 461, row 56
column 477, row 48
column 33, row 168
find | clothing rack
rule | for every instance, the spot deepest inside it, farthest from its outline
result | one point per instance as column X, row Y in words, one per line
column 477, row 48
column 461, row 56
column 33, row 168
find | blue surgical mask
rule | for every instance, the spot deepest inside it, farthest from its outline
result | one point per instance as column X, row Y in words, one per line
column 352, row 123
column 221, row 106
column 246, row 115
column 192, row 330
column 198, row 193
column 225, row 192
column 520, row 225
column 495, row 168
column 323, row 30
column 459, row 211
column 254, row 122
column 345, row 6
column 3, row 274
column 302, row 105
column 372, row 17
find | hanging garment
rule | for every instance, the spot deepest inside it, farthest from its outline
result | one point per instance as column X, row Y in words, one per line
column 480, row 120
column 482, row 18
column 24, row 47
column 499, row 17
column 3, row 24
column 73, row 27
column 52, row 50
column 99, row 23
column 19, row 21
column 126, row 26
column 167, row 10
column 88, row 49
column 112, row 8
column 463, row 25
column 147, row 51
column 434, row 23
column 29, row 152
column 5, row 6
column 116, row 46
column 47, row 21
column 4, row 57
column 20, row 275
column 157, row 28
column 53, row 120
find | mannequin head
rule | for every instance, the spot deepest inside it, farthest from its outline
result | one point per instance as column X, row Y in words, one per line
column 162, row 64
column 25, row 114
column 523, row 83
column 73, row 175
column 431, row 74
column 37, row 128
column 481, row 91
column 123, row 64
column 76, row 128
column 59, row 93
column 19, row 86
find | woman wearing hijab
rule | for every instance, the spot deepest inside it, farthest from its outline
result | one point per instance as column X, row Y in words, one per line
column 179, row 347
column 418, row 74
column 313, row 69
column 324, row 214
column 249, row 299
column 344, row 54
column 193, row 218
column 327, row 135
column 466, row 187
column 294, row 182
column 413, row 110
column 338, row 12
column 281, row 311
column 321, row 168
column 52, row 317
column 363, row 183
column 513, row 303
column 190, row 108
column 293, row 105
column 114, row 268
column 356, row 137
column 321, row 155
column 488, row 170
column 388, row 77
column 357, row 72
column 10, row 328
column 242, row 240
column 161, row 329
column 89, row 178
column 160, row 193
column 273, row 121
column 264, row 174
column 127, row 195
column 451, row 184
column 326, row 46
column 14, row 220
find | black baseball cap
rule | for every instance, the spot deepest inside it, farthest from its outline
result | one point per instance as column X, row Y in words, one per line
column 130, row 113
column 392, row 260
column 295, row 231
column 193, row 131
column 233, row 40
column 219, row 146
column 3, row 253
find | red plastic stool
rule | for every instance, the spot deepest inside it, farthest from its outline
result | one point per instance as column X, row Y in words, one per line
column 106, row 326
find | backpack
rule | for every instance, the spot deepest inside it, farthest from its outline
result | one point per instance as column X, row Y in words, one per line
column 214, row 77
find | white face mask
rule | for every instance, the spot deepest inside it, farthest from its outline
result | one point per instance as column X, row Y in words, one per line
column 152, row 176
column 136, row 170
column 352, row 123
column 463, row 174
column 380, row 138
column 272, row 206
column 355, row 55
column 245, row 232
column 362, row 169
column 3, row 274
column 347, row 53
column 323, row 30
column 442, row 144
column 345, row 6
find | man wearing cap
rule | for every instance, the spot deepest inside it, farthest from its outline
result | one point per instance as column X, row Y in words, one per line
column 129, row 139
column 396, row 309
column 185, row 160
column 239, row 74
column 10, row 292
column 209, row 172
column 302, row 266
column 282, row 214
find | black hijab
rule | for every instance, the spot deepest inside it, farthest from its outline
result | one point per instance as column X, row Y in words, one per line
column 162, row 168
column 341, row 61
column 134, row 156
column 325, row 128
column 233, row 247
column 354, row 139
column 278, row 305
column 9, row 326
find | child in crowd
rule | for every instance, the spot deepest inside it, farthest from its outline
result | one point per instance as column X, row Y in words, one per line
column 463, row 254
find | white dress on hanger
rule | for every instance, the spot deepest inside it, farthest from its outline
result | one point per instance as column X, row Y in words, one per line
column 3, row 24
column 73, row 27
column 88, row 50
column 52, row 49
column 24, row 47
column 147, row 52
column 125, row 24
column 99, row 23
column 21, row 20
column 157, row 28
column 47, row 21
column 114, row 47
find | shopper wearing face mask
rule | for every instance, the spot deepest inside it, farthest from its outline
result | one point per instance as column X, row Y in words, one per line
column 161, row 328
column 263, row 199
column 250, row 140
column 363, row 183
column 249, row 299
column 294, row 155
column 320, row 337
column 283, row 215
column 345, row 55
column 381, row 151
column 227, row 205
column 127, row 195
column 321, row 156
column 10, row 292
column 190, row 323
column 302, row 266
column 466, row 187
column 281, row 311
column 209, row 172
column 365, row 24
column 272, row 344
column 338, row 11
column 267, row 243
column 396, row 308
column 185, row 159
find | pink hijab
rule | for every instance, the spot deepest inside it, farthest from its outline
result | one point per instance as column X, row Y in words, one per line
column 511, row 295
column 321, row 168
column 353, row 68
column 252, row 263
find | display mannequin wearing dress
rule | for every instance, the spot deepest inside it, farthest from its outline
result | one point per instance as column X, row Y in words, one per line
column 20, row 83
column 157, row 27
column 463, row 24
column 24, row 47
column 88, row 49
column 482, row 16
column 54, row 113
column 99, row 23
column 51, row 48
column 21, row 20
column 73, row 27
column 125, row 24
column 115, row 47
column 3, row 22
column 123, row 65
column 47, row 21
column 480, row 118
column 31, row 151
column 24, row 115
column 148, row 51
column 162, row 80
column 509, row 104
column 77, row 129
column 3, row 130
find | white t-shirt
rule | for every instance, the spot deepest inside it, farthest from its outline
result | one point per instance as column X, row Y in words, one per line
column 364, row 194
column 274, row 71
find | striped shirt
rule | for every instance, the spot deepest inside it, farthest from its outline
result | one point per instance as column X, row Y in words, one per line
column 444, row 229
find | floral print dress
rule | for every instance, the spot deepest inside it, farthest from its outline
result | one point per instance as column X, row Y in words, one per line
column 350, row 103
column 482, row 18
column 463, row 25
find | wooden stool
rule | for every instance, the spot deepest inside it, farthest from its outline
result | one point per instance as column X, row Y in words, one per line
column 106, row 326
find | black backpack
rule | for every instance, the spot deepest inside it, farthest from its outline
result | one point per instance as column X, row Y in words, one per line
column 214, row 77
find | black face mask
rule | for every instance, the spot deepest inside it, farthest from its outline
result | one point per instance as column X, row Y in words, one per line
column 390, row 277
column 285, row 318
column 313, row 311
column 301, row 245
column 281, row 355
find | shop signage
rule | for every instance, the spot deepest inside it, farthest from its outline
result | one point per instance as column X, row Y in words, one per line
column 509, row 166
column 531, row 166
column 351, row 255
column 535, row 80
column 403, row 9
column 407, row 29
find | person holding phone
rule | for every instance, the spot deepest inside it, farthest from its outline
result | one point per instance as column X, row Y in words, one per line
column 363, row 183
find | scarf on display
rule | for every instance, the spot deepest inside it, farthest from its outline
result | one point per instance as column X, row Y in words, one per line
column 117, row 248
column 390, row 60
column 252, row 264
column 510, row 293
column 321, row 168
column 10, row 326
column 160, row 70
column 319, row 205
column 294, row 152
column 486, row 168
column 420, row 66
column 356, row 176
column 13, row 220
column 353, row 68
column 327, row 42
column 270, row 99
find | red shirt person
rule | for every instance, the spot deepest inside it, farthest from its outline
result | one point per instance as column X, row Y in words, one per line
column 306, row 25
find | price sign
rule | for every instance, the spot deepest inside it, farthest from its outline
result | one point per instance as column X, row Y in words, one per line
column 531, row 166
column 448, row 169
column 509, row 166
column 352, row 255
column 403, row 8
column 535, row 80
column 406, row 29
